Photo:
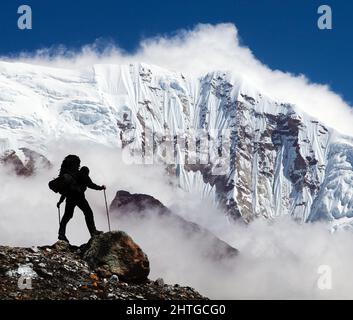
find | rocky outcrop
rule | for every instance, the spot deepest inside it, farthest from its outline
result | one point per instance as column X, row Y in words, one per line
column 116, row 253
column 24, row 162
column 60, row 272
column 125, row 203
column 144, row 206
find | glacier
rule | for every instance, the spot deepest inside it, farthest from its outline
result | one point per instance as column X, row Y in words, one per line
column 282, row 161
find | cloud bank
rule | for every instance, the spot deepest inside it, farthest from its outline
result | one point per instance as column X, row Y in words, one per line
column 204, row 49
column 277, row 260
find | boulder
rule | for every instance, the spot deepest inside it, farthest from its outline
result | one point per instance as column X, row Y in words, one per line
column 116, row 253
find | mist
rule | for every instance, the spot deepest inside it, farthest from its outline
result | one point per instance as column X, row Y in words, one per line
column 278, row 259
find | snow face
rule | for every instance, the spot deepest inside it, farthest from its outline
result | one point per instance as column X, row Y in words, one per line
column 280, row 160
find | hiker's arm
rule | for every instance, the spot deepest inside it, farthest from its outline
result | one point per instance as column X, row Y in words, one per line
column 94, row 186
column 62, row 198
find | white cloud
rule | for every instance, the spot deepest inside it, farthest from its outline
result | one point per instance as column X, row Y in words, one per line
column 277, row 260
column 208, row 48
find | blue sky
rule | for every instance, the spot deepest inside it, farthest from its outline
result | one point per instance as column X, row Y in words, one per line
column 282, row 34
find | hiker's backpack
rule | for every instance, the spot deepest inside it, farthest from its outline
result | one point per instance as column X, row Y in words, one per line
column 64, row 184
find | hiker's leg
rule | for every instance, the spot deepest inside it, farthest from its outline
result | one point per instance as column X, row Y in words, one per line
column 86, row 209
column 69, row 212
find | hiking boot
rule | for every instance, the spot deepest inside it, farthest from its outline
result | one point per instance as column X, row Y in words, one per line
column 96, row 233
column 62, row 237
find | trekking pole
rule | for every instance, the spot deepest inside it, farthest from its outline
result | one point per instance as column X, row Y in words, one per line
column 106, row 207
column 59, row 215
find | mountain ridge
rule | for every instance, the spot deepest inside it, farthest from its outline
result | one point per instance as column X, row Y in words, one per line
column 282, row 161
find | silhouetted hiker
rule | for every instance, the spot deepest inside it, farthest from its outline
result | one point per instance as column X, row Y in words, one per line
column 74, row 194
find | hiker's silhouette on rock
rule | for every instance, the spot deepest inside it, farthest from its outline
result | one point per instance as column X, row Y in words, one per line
column 72, row 184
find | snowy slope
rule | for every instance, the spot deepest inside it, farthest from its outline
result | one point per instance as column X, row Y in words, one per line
column 282, row 161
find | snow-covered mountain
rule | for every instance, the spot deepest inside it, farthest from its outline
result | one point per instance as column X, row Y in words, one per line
column 282, row 161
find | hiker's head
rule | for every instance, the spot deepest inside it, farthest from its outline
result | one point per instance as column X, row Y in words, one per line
column 70, row 164
column 85, row 171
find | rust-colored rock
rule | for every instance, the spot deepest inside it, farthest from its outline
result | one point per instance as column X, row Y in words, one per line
column 118, row 254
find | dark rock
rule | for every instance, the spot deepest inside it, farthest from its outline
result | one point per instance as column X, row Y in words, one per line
column 61, row 246
column 117, row 253
column 114, row 278
column 159, row 282
column 104, row 272
column 138, row 203
column 32, row 161
column 142, row 205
